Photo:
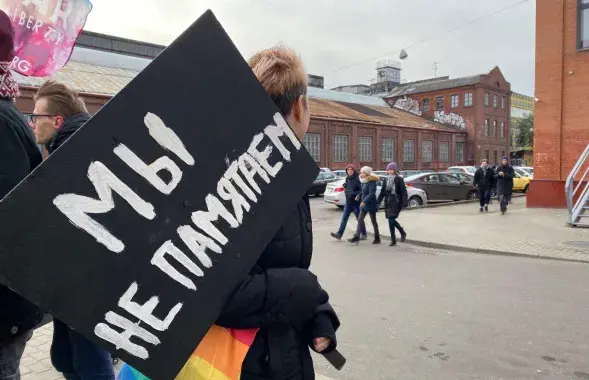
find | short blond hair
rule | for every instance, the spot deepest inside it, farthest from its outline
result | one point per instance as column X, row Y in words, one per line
column 280, row 70
column 62, row 100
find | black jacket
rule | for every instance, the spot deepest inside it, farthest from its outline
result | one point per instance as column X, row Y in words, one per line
column 352, row 187
column 505, row 182
column 69, row 127
column 484, row 179
column 19, row 155
column 283, row 298
column 393, row 202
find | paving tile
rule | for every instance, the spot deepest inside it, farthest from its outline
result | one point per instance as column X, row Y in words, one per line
column 522, row 231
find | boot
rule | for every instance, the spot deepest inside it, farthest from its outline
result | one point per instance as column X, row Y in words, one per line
column 486, row 208
column 393, row 241
column 376, row 239
column 403, row 235
column 336, row 235
column 354, row 240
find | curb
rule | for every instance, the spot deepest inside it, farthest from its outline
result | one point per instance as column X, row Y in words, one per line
column 459, row 248
column 446, row 204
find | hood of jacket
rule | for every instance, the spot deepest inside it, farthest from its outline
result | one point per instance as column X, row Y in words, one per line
column 371, row 178
column 69, row 127
column 355, row 175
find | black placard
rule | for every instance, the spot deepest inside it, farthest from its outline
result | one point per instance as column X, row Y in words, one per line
column 204, row 95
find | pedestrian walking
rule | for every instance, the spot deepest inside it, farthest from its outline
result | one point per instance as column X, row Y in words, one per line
column 368, row 204
column 280, row 296
column 19, row 155
column 352, row 188
column 59, row 112
column 504, row 176
column 484, row 181
column 394, row 193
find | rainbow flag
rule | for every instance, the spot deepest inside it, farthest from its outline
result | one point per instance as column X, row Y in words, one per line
column 219, row 356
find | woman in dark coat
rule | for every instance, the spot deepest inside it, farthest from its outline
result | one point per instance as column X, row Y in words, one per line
column 394, row 193
column 280, row 296
column 368, row 206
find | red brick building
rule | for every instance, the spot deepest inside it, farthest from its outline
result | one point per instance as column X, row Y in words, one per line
column 561, row 127
column 477, row 104
column 364, row 130
column 344, row 128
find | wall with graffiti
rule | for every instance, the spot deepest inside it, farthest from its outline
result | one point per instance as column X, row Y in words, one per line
column 409, row 105
column 450, row 118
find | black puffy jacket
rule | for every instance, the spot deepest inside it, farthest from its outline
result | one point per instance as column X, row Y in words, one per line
column 283, row 298
column 19, row 155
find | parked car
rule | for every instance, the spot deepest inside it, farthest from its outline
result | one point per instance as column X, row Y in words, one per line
column 470, row 178
column 523, row 172
column 521, row 182
column 340, row 173
column 529, row 169
column 463, row 177
column 408, row 173
column 442, row 186
column 334, row 194
column 320, row 183
column 462, row 169
column 324, row 170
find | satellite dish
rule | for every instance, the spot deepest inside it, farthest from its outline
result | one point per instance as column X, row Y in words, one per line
column 403, row 54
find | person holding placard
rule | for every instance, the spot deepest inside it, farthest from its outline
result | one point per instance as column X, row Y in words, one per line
column 281, row 296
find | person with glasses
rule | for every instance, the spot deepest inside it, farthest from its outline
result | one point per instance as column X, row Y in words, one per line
column 59, row 113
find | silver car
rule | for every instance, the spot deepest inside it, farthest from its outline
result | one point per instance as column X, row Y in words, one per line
column 335, row 194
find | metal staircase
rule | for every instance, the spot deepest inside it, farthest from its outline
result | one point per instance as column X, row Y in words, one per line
column 577, row 196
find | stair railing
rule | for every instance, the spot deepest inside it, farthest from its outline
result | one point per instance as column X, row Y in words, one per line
column 581, row 188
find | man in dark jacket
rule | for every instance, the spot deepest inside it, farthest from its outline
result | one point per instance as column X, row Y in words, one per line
column 484, row 180
column 352, row 188
column 18, row 157
column 280, row 296
column 504, row 176
column 59, row 113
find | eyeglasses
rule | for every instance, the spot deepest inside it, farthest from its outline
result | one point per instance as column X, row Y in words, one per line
column 34, row 117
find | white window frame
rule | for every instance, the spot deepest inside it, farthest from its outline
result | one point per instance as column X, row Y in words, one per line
column 468, row 99
column 459, row 157
column 409, row 151
column 312, row 142
column 582, row 26
column 340, row 148
column 444, row 151
column 427, row 151
column 454, row 101
column 365, row 148
column 388, row 149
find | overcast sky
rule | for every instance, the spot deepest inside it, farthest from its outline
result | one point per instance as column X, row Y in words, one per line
column 331, row 34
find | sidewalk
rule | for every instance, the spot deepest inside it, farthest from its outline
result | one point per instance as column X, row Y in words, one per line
column 535, row 233
column 36, row 362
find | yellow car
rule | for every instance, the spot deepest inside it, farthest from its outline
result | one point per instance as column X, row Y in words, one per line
column 521, row 183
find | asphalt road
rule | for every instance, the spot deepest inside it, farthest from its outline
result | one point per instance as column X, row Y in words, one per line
column 415, row 313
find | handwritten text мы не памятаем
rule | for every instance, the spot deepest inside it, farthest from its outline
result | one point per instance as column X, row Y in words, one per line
column 238, row 187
